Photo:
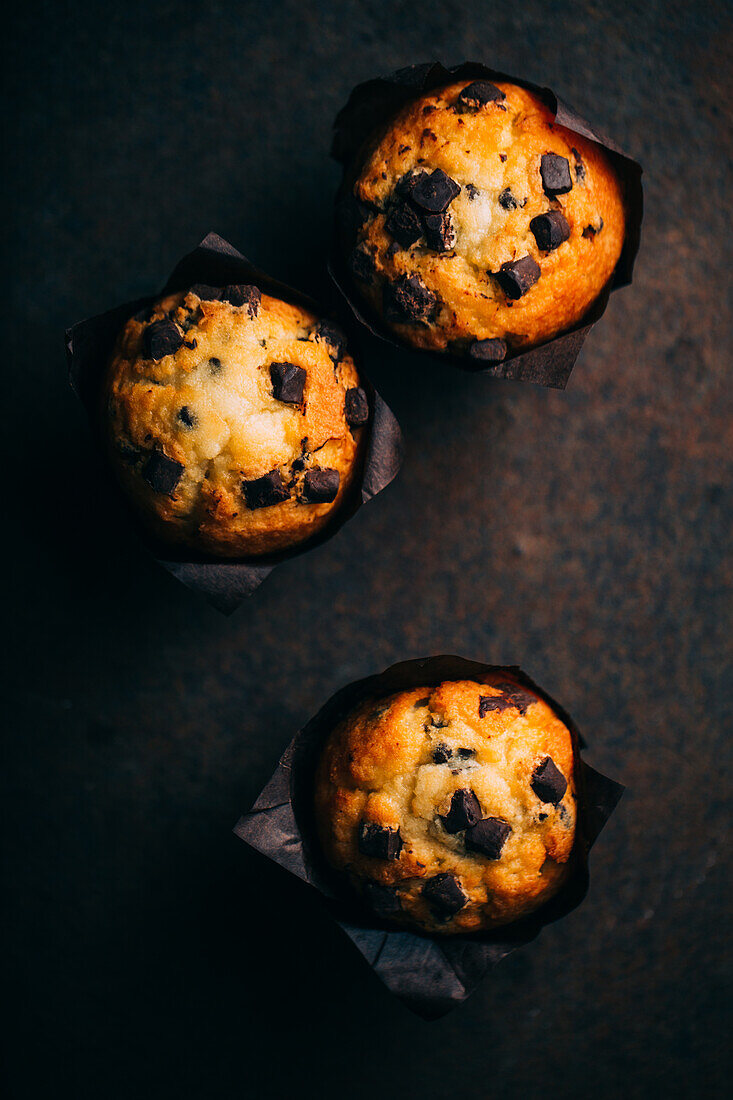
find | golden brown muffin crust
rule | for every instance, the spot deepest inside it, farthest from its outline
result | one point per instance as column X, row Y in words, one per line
column 466, row 787
column 227, row 421
column 493, row 154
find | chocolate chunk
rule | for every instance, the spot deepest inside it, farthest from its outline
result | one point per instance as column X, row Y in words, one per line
column 478, row 94
column 488, row 837
column 404, row 224
column 193, row 343
column 444, row 894
column 555, row 172
column 422, row 702
column 487, row 351
column 362, row 265
column 440, row 234
column 288, row 382
column 332, row 335
column 442, row 753
column 160, row 339
column 408, row 299
column 590, row 230
column 511, row 696
column 507, row 200
column 206, row 293
column 320, row 486
column 433, row 191
column 518, row 276
column 379, row 841
column 548, row 782
column 215, row 365
column 187, row 417
column 579, row 166
column 550, row 230
column 384, row 901
column 356, row 407
column 465, row 811
column 488, row 703
column 241, row 294
column 437, row 722
column 265, row 491
column 472, row 191
column 162, row 473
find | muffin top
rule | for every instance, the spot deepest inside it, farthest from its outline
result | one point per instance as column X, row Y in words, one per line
column 473, row 223
column 234, row 420
column 451, row 808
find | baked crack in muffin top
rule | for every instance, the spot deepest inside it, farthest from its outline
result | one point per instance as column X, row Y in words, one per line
column 234, row 420
column 450, row 808
column 473, row 223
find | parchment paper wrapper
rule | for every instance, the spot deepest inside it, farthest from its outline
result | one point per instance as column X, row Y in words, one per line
column 371, row 105
column 89, row 345
column 431, row 975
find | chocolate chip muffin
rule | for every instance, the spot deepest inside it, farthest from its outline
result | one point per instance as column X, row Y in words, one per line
column 476, row 225
column 234, row 420
column 450, row 808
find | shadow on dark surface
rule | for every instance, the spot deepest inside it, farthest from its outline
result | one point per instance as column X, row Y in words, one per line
column 583, row 534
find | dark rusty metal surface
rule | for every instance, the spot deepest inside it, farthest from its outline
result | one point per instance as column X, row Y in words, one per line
column 584, row 535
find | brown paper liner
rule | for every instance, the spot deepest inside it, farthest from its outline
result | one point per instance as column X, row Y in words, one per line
column 372, row 104
column 431, row 975
column 89, row 345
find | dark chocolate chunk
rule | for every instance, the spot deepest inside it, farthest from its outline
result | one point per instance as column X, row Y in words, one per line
column 356, row 407
column 555, row 172
column 265, row 491
column 384, row 901
column 408, row 299
column 444, row 894
column 472, row 191
column 548, row 782
column 433, row 191
column 192, row 343
column 215, row 365
column 550, row 230
column 379, row 841
column 206, row 293
column 488, row 837
column 160, row 339
column 487, row 351
column 442, row 753
column 241, row 294
column 320, row 486
column 362, row 265
column 422, row 702
column 579, row 166
column 487, row 703
column 440, row 233
column 507, row 200
column 334, row 336
column 518, row 276
column 465, row 811
column 187, row 417
column 162, row 473
column 404, row 224
column 288, row 382
column 437, row 722
column 511, row 696
column 591, row 230
column 478, row 94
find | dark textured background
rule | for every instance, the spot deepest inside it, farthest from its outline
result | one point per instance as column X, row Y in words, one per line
column 582, row 534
